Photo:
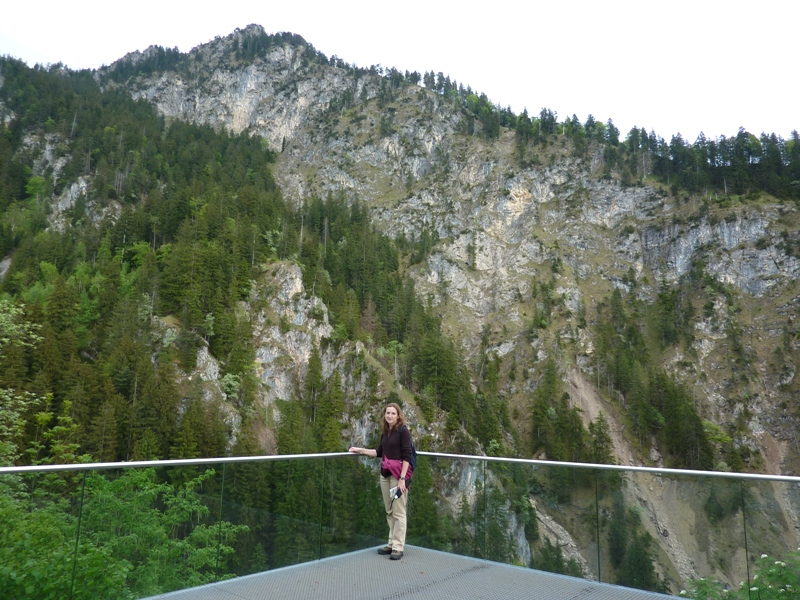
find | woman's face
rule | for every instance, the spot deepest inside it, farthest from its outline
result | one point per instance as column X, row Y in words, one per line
column 390, row 414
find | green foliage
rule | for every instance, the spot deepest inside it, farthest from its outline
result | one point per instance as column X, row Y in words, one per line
column 488, row 525
column 723, row 501
column 14, row 330
column 186, row 245
column 675, row 315
column 550, row 558
column 13, row 408
column 618, row 531
column 637, row 570
column 37, row 556
column 138, row 537
column 773, row 580
column 600, row 445
column 527, row 515
column 487, row 114
column 655, row 402
column 168, row 548
column 557, row 428
column 328, row 422
column 631, row 549
column 730, row 165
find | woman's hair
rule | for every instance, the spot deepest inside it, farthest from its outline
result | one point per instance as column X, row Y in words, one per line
column 401, row 420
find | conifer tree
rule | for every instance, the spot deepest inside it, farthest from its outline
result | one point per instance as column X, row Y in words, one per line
column 314, row 384
column 329, row 424
column 600, row 445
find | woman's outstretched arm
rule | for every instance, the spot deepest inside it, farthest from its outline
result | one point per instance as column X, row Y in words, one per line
column 364, row 451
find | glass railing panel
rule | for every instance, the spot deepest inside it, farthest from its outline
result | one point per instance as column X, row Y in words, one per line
column 565, row 537
column 769, row 510
column 678, row 529
column 153, row 529
column 353, row 515
column 651, row 531
column 246, row 506
column 271, row 513
column 537, row 516
column 138, row 532
column 39, row 515
column 446, row 515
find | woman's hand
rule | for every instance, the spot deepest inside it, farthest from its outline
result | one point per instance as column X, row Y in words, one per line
column 363, row 451
column 402, row 485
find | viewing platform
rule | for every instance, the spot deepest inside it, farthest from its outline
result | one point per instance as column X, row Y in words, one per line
column 308, row 526
column 421, row 574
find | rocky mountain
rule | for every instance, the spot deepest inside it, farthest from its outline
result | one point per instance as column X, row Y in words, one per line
column 536, row 254
column 502, row 223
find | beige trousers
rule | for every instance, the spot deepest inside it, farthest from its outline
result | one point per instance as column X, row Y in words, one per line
column 395, row 514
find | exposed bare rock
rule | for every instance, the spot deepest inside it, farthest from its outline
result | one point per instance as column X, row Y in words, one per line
column 285, row 331
column 4, row 265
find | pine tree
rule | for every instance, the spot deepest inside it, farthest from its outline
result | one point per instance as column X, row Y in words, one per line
column 618, row 531
column 600, row 445
column 463, row 539
column 314, row 384
column 542, row 412
column 498, row 542
column 102, row 435
column 329, row 424
column 637, row 570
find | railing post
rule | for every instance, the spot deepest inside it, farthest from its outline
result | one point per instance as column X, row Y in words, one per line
column 77, row 537
column 219, row 524
column 746, row 550
column 485, row 510
column 597, row 522
column 321, row 510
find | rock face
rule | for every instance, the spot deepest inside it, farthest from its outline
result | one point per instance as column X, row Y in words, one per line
column 288, row 323
column 286, row 329
column 412, row 164
column 733, row 257
column 49, row 160
column 266, row 97
column 500, row 224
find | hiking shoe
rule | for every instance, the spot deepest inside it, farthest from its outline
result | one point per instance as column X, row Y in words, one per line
column 385, row 550
column 396, row 555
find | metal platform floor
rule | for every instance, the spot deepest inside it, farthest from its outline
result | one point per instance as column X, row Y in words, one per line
column 421, row 574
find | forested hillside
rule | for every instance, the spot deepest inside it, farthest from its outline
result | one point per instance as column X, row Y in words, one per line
column 261, row 272
column 196, row 215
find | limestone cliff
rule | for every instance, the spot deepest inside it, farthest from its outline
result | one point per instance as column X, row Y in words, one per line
column 503, row 224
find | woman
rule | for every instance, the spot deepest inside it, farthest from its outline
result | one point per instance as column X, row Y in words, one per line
column 395, row 453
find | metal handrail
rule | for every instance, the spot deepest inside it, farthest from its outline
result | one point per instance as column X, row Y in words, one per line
column 276, row 457
column 598, row 467
column 181, row 462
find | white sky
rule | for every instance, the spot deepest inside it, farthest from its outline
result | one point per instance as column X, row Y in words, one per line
column 679, row 66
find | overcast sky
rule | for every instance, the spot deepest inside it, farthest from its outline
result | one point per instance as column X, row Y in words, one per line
column 678, row 66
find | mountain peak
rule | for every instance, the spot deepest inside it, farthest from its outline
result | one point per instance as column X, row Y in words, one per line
column 241, row 46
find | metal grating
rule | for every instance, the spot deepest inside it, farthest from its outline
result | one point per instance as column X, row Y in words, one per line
column 421, row 574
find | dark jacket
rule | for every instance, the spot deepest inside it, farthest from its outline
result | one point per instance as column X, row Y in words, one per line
column 395, row 445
